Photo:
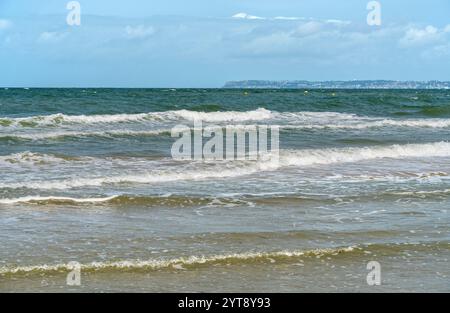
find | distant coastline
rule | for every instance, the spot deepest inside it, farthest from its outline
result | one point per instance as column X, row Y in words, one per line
column 353, row 84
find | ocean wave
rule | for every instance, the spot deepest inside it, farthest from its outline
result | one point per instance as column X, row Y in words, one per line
column 55, row 200
column 435, row 110
column 84, row 134
column 121, row 133
column 177, row 263
column 411, row 123
column 144, row 178
column 166, row 129
column 303, row 119
column 391, row 177
column 30, row 158
column 227, row 200
column 269, row 162
column 58, row 119
column 422, row 193
column 310, row 157
column 227, row 116
column 192, row 262
column 157, row 200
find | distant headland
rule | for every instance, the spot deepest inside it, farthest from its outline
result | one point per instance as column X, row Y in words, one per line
column 351, row 84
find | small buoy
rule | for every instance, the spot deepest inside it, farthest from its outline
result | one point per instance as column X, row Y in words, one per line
column 306, row 92
column 245, row 93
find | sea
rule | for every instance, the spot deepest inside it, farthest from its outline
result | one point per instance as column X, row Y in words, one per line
column 92, row 200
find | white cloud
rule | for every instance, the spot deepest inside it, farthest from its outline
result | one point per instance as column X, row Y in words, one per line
column 139, row 32
column 418, row 36
column 338, row 22
column 288, row 18
column 316, row 41
column 447, row 29
column 308, row 28
column 4, row 24
column 334, row 22
column 247, row 16
column 305, row 42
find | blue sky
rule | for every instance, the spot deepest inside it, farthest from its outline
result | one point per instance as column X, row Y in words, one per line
column 198, row 43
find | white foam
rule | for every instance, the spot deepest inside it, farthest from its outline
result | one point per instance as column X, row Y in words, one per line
column 229, row 116
column 229, row 169
column 144, row 178
column 175, row 263
column 411, row 123
column 55, row 119
column 306, row 120
column 422, row 192
column 80, row 134
column 29, row 158
column 31, row 199
column 346, row 155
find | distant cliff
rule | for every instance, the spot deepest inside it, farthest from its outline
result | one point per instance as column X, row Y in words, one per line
column 353, row 84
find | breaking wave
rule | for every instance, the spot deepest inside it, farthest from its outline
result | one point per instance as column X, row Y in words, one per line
column 192, row 262
column 157, row 200
column 346, row 155
column 81, row 134
column 227, row 169
column 55, row 200
column 304, row 119
column 31, row 158
column 177, row 263
column 58, row 119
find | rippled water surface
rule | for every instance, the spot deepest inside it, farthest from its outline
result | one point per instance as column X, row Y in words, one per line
column 87, row 176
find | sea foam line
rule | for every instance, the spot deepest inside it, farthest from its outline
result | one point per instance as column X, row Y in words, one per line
column 302, row 119
column 169, row 199
column 37, row 199
column 57, row 119
column 36, row 136
column 80, row 134
column 29, row 158
column 309, row 157
column 229, row 169
column 177, row 263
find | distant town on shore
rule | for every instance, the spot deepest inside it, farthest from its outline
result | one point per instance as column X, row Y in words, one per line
column 352, row 84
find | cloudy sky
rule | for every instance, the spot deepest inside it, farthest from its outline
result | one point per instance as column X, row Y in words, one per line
column 203, row 43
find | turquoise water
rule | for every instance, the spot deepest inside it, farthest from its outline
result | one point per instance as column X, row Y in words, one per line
column 87, row 176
